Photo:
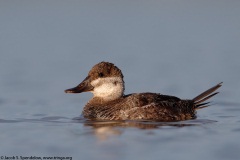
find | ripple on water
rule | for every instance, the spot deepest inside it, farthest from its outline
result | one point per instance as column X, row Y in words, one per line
column 103, row 123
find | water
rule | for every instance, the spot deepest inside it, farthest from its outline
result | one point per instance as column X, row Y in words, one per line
column 179, row 48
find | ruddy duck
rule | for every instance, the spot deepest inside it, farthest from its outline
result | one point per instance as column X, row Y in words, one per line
column 105, row 81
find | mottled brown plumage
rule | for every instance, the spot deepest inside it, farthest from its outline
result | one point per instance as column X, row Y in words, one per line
column 105, row 81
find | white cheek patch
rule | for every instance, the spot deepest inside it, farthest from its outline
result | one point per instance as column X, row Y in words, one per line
column 104, row 89
column 106, row 81
column 108, row 88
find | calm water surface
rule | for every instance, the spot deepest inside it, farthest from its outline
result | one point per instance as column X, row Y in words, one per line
column 177, row 47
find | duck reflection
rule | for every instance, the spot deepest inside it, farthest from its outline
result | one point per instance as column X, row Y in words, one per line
column 106, row 129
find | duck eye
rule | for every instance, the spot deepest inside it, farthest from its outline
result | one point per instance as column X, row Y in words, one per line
column 100, row 74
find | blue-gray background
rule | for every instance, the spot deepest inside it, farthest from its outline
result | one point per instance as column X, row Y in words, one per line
column 176, row 47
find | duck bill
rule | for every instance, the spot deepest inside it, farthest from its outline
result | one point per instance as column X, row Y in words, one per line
column 84, row 86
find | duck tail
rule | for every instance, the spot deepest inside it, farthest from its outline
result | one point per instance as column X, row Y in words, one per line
column 198, row 100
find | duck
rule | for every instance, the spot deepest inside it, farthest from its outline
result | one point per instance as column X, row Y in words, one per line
column 105, row 81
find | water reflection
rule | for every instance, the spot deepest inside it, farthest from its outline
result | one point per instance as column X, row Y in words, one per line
column 106, row 129
column 144, row 124
column 103, row 130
